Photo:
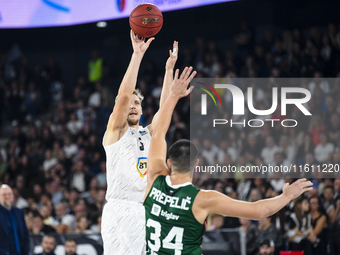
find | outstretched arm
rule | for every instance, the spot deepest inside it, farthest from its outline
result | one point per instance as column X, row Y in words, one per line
column 168, row 79
column 157, row 152
column 212, row 201
column 117, row 121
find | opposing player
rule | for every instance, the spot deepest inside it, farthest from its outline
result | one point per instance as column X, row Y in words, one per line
column 126, row 145
column 175, row 209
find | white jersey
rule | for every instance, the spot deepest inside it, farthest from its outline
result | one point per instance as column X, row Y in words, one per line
column 126, row 165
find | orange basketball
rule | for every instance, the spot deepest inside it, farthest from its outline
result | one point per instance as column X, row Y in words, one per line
column 146, row 20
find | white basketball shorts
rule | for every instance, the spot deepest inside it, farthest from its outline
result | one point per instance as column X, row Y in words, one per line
column 123, row 227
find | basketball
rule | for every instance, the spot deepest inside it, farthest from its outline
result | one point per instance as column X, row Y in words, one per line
column 146, row 20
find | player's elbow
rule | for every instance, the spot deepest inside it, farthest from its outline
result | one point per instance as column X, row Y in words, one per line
column 259, row 215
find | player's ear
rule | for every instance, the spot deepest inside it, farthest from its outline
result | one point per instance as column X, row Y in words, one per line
column 168, row 162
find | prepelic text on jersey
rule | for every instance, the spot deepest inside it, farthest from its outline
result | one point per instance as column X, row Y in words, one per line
column 174, row 202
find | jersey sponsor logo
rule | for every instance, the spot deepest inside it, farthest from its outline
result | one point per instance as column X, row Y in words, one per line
column 169, row 216
column 142, row 166
column 143, row 132
column 173, row 202
column 156, row 209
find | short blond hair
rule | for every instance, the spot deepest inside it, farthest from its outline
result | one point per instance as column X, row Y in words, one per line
column 136, row 92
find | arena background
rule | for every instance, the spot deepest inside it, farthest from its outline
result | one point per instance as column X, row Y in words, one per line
column 47, row 99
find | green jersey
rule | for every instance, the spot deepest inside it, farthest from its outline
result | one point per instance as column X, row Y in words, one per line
column 171, row 227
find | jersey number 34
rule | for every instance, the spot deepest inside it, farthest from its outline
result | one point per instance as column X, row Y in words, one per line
column 173, row 241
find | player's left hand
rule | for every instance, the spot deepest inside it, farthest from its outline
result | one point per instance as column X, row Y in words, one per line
column 173, row 55
column 297, row 188
column 179, row 87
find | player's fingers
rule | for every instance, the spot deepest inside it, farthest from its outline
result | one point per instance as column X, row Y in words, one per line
column 176, row 74
column 188, row 73
column 189, row 90
column 285, row 185
column 150, row 40
column 183, row 73
column 170, row 53
column 174, row 52
column 307, row 184
column 299, row 181
column 192, row 75
column 134, row 36
column 176, row 45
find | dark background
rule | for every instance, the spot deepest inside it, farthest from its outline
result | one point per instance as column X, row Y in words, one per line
column 71, row 46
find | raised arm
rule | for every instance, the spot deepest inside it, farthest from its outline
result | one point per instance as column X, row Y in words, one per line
column 212, row 201
column 168, row 79
column 157, row 152
column 117, row 121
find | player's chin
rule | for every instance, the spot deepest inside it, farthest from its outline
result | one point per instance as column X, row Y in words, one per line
column 132, row 121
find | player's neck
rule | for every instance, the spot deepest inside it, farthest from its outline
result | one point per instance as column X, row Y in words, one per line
column 177, row 178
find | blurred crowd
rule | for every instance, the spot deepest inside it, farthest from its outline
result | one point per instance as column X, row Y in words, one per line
column 53, row 158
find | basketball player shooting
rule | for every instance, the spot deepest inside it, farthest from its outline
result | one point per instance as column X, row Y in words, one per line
column 126, row 146
column 175, row 209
